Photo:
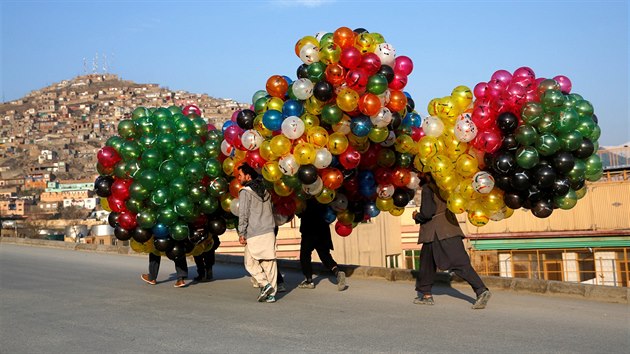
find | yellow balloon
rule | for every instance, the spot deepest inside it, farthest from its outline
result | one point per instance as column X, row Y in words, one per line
column 466, row 189
column 417, row 163
column 228, row 166
column 226, row 201
column 318, row 136
column 446, row 109
column 462, row 96
column 313, row 106
column 427, row 148
column 330, row 54
column 274, row 103
column 304, row 153
column 239, row 155
column 209, row 243
column 345, row 217
column 365, row 43
column 105, row 204
column 309, row 120
column 347, row 99
column 456, row 203
column 441, row 165
column 326, row 196
column 384, row 204
column 378, row 38
column 432, row 107
column 280, row 145
column 493, row 201
column 265, row 151
column 378, row 135
column 397, row 211
column 136, row 246
column 198, row 250
column 260, row 127
column 359, row 143
column 337, row 143
column 478, row 218
column 282, row 189
column 404, row 143
column 271, row 171
column 447, row 182
column 466, row 165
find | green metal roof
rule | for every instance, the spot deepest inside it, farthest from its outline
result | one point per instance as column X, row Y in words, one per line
column 541, row 243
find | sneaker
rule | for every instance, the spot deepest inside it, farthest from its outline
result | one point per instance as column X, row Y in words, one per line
column 255, row 283
column 306, row 284
column 281, row 288
column 180, row 283
column 341, row 281
column 264, row 292
column 146, row 279
column 424, row 300
column 209, row 274
column 270, row 298
column 482, row 300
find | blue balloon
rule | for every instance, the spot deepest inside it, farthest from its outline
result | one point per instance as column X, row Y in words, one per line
column 371, row 209
column 272, row 120
column 289, row 81
column 226, row 125
column 361, row 125
column 412, row 119
column 330, row 216
column 366, row 178
column 292, row 108
column 367, row 191
column 160, row 231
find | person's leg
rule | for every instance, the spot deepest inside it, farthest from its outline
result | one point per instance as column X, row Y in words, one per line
column 270, row 268
column 324, row 255
column 253, row 268
column 211, row 257
column 426, row 274
column 306, row 249
column 201, row 267
column 460, row 263
column 154, row 266
column 181, row 267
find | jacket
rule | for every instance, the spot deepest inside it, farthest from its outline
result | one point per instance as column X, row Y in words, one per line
column 434, row 218
column 255, row 215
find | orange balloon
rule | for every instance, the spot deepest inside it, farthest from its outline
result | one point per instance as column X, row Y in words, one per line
column 335, row 74
column 397, row 101
column 235, row 187
column 401, row 177
column 277, row 86
column 369, row 104
column 332, row 178
column 344, row 37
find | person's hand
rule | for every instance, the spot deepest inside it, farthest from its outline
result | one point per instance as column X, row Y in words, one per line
column 241, row 240
column 413, row 215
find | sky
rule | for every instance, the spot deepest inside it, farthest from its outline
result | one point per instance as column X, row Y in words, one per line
column 228, row 49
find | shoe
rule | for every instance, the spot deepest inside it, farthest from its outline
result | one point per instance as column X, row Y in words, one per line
column 209, row 274
column 146, row 279
column 306, row 284
column 482, row 300
column 180, row 283
column 255, row 283
column 341, row 281
column 281, row 288
column 424, row 300
column 270, row 298
column 199, row 279
column 264, row 292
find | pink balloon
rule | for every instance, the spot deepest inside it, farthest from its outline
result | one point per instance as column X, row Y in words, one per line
column 488, row 141
column 350, row 57
column 481, row 90
column 565, row 83
column 524, row 72
column 233, row 134
column 234, row 115
column 371, row 63
column 502, row 76
column 399, row 82
column 403, row 65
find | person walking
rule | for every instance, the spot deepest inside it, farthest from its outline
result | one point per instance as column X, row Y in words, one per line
column 205, row 262
column 256, row 231
column 442, row 247
column 181, row 268
column 316, row 236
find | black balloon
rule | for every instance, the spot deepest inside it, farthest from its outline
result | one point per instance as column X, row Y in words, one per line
column 323, row 91
column 504, row 163
column 388, row 72
column 216, row 226
column 507, row 122
column 163, row 244
column 411, row 105
column 503, row 182
column 561, row 187
column 534, row 193
column 563, row 162
column 307, row 174
column 245, row 119
column 577, row 184
column 488, row 159
column 585, row 150
column 103, row 186
column 198, row 235
column 520, row 180
column 112, row 219
column 513, row 200
column 395, row 122
column 400, row 198
column 122, row 234
column 544, row 176
column 176, row 252
column 542, row 209
column 141, row 235
column 509, row 143
column 188, row 246
column 302, row 71
column 360, row 30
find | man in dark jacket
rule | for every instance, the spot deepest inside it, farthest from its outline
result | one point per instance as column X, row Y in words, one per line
column 442, row 247
column 316, row 236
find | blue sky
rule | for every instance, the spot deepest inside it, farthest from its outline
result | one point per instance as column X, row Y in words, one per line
column 229, row 48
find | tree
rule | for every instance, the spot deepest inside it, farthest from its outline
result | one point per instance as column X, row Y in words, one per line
column 73, row 212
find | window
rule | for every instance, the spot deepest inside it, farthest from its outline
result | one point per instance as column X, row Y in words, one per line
column 412, row 259
column 586, row 266
column 391, row 261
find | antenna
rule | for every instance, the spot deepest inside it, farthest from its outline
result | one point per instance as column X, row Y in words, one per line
column 95, row 64
column 104, row 63
column 85, row 68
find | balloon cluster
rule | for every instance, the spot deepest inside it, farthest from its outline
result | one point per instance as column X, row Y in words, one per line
column 344, row 132
column 162, row 180
column 525, row 142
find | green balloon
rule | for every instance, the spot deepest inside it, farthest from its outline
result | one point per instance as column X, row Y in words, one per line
column 552, row 100
column 165, row 126
column 218, row 187
column 527, row 157
column 132, row 168
column 145, row 125
column 231, row 223
column 183, row 138
column 127, row 129
column 595, row 145
column 104, row 171
column 175, row 109
column 146, row 218
column 571, row 140
column 331, row 114
column 290, row 92
column 404, row 160
column 183, row 155
column 151, row 159
column 197, row 193
column 193, row 172
column 199, row 154
column 179, row 231
column 120, row 170
column 140, row 112
column 567, row 121
column 377, row 84
column 160, row 197
column 178, row 187
column 386, row 158
column 326, row 39
column 167, row 216
column 260, row 106
column 532, row 113
column 166, row 143
column 548, row 123
column 185, row 125
column 130, row 150
column 195, row 141
column 316, row 71
column 184, row 206
column 138, row 191
column 593, row 168
column 594, row 177
column 169, row 169
column 292, row 181
column 147, row 140
column 547, row 144
column 567, row 201
column 597, row 132
column 526, row 135
column 258, row 95
column 580, row 193
column 200, row 127
column 577, row 173
column 208, row 205
column 162, row 114
column 584, row 109
column 213, row 168
column 148, row 178
column 586, row 126
column 134, row 205
column 116, row 142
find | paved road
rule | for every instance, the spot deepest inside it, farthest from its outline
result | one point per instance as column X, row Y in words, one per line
column 63, row 301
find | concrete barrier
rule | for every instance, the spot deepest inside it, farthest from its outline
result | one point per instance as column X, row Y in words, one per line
column 546, row 287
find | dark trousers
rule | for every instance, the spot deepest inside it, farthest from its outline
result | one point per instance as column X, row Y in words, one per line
column 448, row 254
column 181, row 266
column 206, row 260
column 306, row 249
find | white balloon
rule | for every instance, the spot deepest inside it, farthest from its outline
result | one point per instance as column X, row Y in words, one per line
column 385, row 97
column 251, row 139
column 303, row 88
column 288, row 165
column 340, row 203
column 433, row 126
column 319, row 35
column 323, row 158
column 309, row 54
column 227, row 149
column 387, row 53
column 343, row 126
column 382, row 118
column 390, row 141
column 314, row 188
column 483, row 182
column 414, row 181
column 234, row 204
column 465, row 129
column 292, row 127
column 385, row 191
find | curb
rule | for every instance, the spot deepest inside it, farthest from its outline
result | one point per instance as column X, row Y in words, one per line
column 536, row 286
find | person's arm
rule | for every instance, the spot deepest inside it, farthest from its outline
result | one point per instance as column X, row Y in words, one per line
column 243, row 215
column 427, row 207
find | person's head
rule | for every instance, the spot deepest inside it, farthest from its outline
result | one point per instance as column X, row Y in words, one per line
column 425, row 178
column 246, row 173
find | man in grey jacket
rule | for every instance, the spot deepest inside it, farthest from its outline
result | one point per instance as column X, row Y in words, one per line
column 442, row 247
column 256, row 231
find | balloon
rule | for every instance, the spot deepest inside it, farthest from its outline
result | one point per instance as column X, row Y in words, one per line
column 465, row 128
column 103, row 186
column 288, row 165
column 547, row 144
column 307, row 174
column 542, row 209
column 483, row 182
column 433, row 126
column 302, row 88
column 323, row 158
column 313, row 188
column 108, row 156
column 403, row 65
column 337, row 143
column 292, row 127
column 507, row 122
column 343, row 229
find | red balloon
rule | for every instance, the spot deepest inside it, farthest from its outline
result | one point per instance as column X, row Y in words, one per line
column 401, row 177
column 417, row 133
column 232, row 134
column 343, row 229
column 350, row 57
column 191, row 109
column 383, row 175
column 488, row 141
column 254, row 159
column 116, row 204
column 481, row 90
column 108, row 156
column 357, row 79
column 120, row 188
column 483, row 116
column 371, row 63
column 127, row 220
column 351, row 185
column 350, row 158
column 370, row 157
column 403, row 65
column 399, row 82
